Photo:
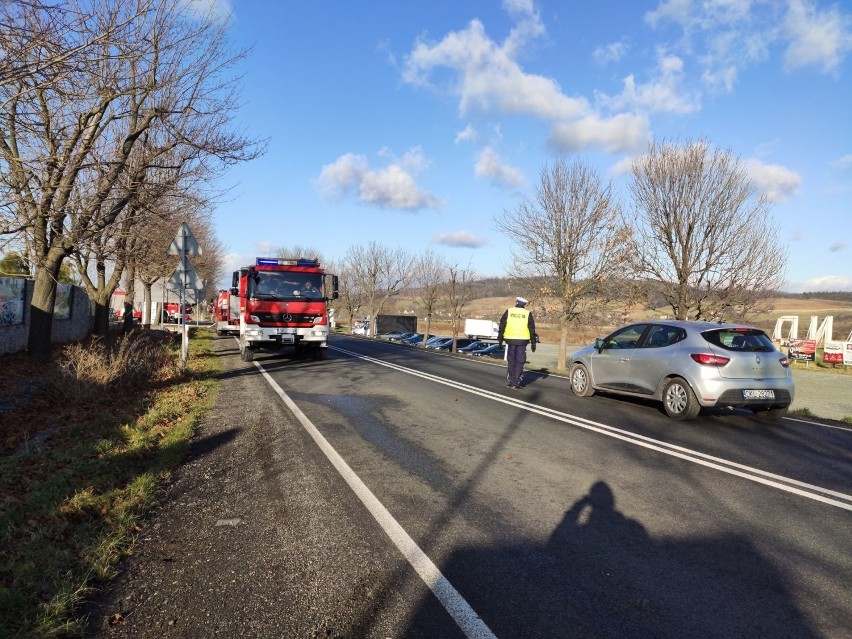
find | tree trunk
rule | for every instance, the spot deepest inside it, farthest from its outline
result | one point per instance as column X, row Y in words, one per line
column 39, row 342
column 101, row 325
column 129, row 297
column 146, row 306
column 563, row 343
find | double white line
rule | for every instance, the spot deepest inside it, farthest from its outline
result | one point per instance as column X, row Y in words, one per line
column 809, row 491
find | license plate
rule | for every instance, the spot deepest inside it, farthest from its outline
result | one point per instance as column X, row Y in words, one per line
column 288, row 338
column 759, row 394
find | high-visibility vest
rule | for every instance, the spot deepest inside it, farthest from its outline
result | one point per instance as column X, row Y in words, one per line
column 516, row 324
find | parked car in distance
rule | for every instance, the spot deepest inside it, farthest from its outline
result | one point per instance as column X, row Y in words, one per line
column 391, row 335
column 439, row 341
column 431, row 340
column 402, row 336
column 474, row 345
column 687, row 366
column 415, row 340
column 461, row 342
column 492, row 350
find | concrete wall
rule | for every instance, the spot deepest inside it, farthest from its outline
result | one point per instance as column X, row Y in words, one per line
column 13, row 338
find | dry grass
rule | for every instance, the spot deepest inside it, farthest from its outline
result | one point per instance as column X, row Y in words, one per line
column 88, row 439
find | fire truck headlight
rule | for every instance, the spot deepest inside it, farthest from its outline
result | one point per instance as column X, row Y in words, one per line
column 254, row 332
column 254, row 318
column 318, row 319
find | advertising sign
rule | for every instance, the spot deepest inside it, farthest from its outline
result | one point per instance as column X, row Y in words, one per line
column 847, row 354
column 833, row 352
column 803, row 350
column 12, row 300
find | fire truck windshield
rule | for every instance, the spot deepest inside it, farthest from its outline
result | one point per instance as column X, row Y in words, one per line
column 276, row 285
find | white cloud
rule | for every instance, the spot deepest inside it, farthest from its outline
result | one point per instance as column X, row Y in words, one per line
column 622, row 167
column 823, row 283
column 622, row 133
column 819, row 38
column 464, row 239
column 662, row 94
column 220, row 9
column 844, row 163
column 610, row 53
column 518, row 6
column 390, row 187
column 490, row 165
column 489, row 79
column 341, row 176
column 837, row 246
column 725, row 36
column 468, row 135
column 777, row 182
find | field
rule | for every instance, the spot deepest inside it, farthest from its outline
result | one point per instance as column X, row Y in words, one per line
column 493, row 307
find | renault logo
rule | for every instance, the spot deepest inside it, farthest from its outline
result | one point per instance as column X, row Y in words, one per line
column 757, row 359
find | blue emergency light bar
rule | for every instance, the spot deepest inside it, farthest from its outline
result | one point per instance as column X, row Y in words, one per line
column 280, row 261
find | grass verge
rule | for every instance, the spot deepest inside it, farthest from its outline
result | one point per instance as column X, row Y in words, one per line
column 81, row 460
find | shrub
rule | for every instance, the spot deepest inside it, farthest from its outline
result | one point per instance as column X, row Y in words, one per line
column 134, row 359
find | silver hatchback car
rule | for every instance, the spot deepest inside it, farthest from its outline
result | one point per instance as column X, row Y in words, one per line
column 687, row 365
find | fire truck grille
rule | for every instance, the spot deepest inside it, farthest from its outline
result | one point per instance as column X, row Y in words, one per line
column 285, row 318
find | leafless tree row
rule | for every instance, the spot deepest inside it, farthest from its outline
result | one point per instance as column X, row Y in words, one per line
column 116, row 116
column 696, row 234
column 371, row 275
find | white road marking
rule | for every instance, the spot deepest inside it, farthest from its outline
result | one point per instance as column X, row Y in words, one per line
column 469, row 622
column 810, row 491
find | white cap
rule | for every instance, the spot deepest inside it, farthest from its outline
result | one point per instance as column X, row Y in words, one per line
column 521, row 300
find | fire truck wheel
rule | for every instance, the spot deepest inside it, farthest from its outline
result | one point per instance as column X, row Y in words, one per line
column 319, row 353
column 247, row 354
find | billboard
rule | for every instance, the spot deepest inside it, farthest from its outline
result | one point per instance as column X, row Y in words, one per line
column 803, row 350
column 837, row 353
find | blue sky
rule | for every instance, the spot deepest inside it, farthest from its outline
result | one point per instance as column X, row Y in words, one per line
column 414, row 123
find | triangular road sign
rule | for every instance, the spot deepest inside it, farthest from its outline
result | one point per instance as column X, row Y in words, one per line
column 184, row 242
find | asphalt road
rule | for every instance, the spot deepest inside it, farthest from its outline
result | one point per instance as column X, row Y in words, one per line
column 388, row 492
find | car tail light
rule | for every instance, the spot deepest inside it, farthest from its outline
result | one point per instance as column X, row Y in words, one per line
column 706, row 359
column 785, row 362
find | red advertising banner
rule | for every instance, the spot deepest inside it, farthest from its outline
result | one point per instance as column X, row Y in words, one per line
column 833, row 352
column 803, row 350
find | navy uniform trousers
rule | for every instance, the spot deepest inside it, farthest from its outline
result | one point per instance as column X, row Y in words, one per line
column 516, row 358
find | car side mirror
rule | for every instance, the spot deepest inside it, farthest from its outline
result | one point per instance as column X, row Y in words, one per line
column 600, row 344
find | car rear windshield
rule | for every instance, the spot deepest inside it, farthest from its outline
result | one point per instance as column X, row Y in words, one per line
column 739, row 339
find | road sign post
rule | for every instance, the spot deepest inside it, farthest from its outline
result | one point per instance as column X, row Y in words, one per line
column 183, row 277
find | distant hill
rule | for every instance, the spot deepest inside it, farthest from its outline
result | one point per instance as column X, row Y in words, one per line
column 837, row 296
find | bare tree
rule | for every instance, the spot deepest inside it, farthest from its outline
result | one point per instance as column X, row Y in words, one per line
column 430, row 272
column 351, row 298
column 76, row 151
column 298, row 251
column 569, row 245
column 379, row 273
column 456, row 296
column 701, row 235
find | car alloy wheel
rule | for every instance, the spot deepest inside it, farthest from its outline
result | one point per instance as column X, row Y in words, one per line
column 679, row 401
column 581, row 384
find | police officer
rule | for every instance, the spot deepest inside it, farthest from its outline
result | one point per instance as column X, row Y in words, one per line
column 517, row 328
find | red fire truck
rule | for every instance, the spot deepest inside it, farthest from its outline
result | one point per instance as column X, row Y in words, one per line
column 227, row 312
column 283, row 302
